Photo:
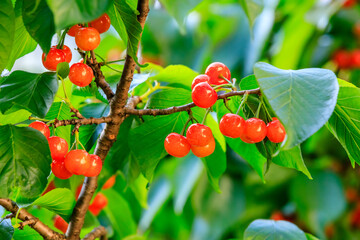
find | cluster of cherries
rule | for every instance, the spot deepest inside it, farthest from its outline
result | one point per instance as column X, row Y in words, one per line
column 86, row 38
column 199, row 138
column 65, row 164
column 347, row 59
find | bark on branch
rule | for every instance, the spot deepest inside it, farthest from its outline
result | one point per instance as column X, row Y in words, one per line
column 99, row 232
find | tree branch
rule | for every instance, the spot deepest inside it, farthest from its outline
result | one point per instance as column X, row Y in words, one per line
column 29, row 219
column 82, row 121
column 99, row 232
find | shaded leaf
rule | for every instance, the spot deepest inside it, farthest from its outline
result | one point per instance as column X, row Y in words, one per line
column 176, row 74
column 7, row 30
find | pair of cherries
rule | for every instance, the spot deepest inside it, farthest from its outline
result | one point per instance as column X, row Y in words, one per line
column 65, row 164
column 199, row 139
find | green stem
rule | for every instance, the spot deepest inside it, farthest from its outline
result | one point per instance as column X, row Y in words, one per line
column 221, row 76
column 109, row 62
column 225, row 103
column 258, row 110
column 185, row 126
column 243, row 101
column 77, row 140
column 222, row 86
column 205, row 116
column 62, row 39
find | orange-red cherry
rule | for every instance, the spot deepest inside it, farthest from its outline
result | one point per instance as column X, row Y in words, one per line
column 73, row 30
column 87, row 38
column 176, row 145
column 59, row 170
column 81, row 74
column 58, row 147
column 245, row 139
column 199, row 135
column 95, row 166
column 66, row 50
column 355, row 58
column 342, row 59
column 199, row 79
column 42, row 127
column 100, row 201
column 232, row 125
column 204, row 151
column 110, row 182
column 204, row 95
column 215, row 70
column 53, row 58
column 255, row 130
column 275, row 131
column 77, row 162
column 60, row 224
column 102, row 24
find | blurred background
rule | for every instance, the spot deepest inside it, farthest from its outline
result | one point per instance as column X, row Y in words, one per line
column 289, row 34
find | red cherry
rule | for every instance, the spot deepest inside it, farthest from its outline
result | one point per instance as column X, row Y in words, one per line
column 245, row 139
column 110, row 182
column 356, row 29
column 199, row 79
column 349, row 3
column 68, row 54
column 199, row 135
column 99, row 203
column 42, row 127
column 232, row 125
column 60, row 223
column 50, row 187
column 205, row 150
column 77, row 162
column 81, row 74
column 342, row 59
column 102, row 24
column 277, row 216
column 59, row 170
column 176, row 145
column 53, row 58
column 73, row 30
column 355, row 58
column 87, row 38
column 275, row 131
column 255, row 129
column 204, row 95
column 215, row 71
column 58, row 147
column 77, row 192
column 95, row 166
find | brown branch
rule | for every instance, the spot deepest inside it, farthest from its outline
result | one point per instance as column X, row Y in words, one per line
column 99, row 232
column 28, row 219
column 83, row 121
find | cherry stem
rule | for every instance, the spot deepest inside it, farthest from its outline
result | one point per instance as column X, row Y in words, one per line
column 205, row 116
column 226, row 105
column 266, row 110
column 243, row 101
column 77, row 140
column 38, row 119
column 104, row 63
column 258, row 110
column 186, row 123
column 221, row 76
column 62, row 39
column 222, row 86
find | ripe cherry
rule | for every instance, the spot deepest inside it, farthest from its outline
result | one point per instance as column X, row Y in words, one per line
column 255, row 130
column 349, row 3
column 205, row 150
column 204, row 95
column 42, row 127
column 95, row 166
column 199, row 79
column 245, row 139
column 176, row 145
column 98, row 204
column 199, row 135
column 356, row 29
column 342, row 59
column 215, row 71
column 232, row 125
column 73, row 30
column 77, row 162
column 87, row 38
column 110, row 182
column 60, row 224
column 53, row 58
column 275, row 131
column 355, row 58
column 102, row 24
column 277, row 216
column 81, row 74
column 68, row 54
column 58, row 147
column 59, row 170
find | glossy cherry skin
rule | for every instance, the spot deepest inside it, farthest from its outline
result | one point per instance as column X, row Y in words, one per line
column 204, row 95
column 342, row 59
column 68, row 54
column 176, row 145
column 53, row 58
column 77, row 162
column 204, row 151
column 59, row 170
column 199, row 135
column 110, row 182
column 215, row 70
column 58, row 147
column 42, row 127
column 275, row 131
column 102, row 24
column 199, row 79
column 60, row 224
column 232, row 125
column 98, row 204
column 73, row 30
column 245, row 139
column 95, row 166
column 255, row 130
column 87, row 38
column 81, row 74
column 355, row 59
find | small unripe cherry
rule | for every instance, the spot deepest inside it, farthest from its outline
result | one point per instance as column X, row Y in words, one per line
column 60, row 224
column 255, row 130
column 81, row 74
column 58, row 147
column 77, row 162
column 176, row 145
column 215, row 70
column 204, row 95
column 42, row 127
column 110, row 182
column 232, row 125
column 102, row 24
column 204, row 151
column 199, row 79
column 53, row 58
column 199, row 135
column 95, row 166
column 87, row 38
column 275, row 131
column 59, row 170
column 73, row 30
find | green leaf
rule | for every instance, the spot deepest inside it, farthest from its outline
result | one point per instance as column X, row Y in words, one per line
column 270, row 229
column 28, row 233
column 134, row 237
column 7, row 32
column 63, row 69
column 310, row 237
column 34, row 92
column 39, row 22
column 252, row 9
column 60, row 201
column 24, row 162
column 15, row 117
column 179, row 74
column 345, row 122
column 6, row 230
column 303, row 99
column 292, row 158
